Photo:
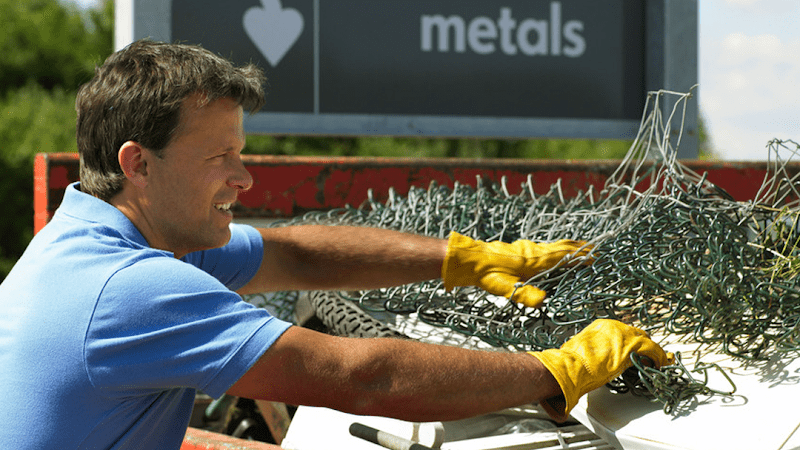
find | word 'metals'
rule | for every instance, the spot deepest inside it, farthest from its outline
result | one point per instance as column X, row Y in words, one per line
column 484, row 35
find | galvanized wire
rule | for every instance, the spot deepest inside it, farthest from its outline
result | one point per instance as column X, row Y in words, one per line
column 673, row 386
column 673, row 254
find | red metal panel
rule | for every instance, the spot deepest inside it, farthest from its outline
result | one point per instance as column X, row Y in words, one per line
column 286, row 186
column 740, row 180
column 205, row 440
column 52, row 173
column 40, row 190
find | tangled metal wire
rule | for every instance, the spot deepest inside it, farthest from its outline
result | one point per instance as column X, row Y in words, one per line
column 673, row 385
column 672, row 253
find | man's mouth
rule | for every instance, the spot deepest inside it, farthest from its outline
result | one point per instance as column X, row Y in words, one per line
column 223, row 206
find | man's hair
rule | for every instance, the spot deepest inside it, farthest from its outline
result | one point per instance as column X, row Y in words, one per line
column 136, row 95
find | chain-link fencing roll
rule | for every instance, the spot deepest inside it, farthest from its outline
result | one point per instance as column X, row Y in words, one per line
column 672, row 253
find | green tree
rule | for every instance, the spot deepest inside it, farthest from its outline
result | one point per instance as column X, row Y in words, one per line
column 50, row 43
column 437, row 147
column 705, row 148
column 49, row 49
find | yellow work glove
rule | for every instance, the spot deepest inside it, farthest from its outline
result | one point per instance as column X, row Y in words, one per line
column 497, row 266
column 592, row 358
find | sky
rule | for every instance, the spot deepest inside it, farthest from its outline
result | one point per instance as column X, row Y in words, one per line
column 749, row 74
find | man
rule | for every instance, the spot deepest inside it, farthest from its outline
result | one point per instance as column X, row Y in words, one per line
column 124, row 305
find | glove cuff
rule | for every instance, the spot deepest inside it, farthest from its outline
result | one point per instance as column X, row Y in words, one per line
column 451, row 267
column 557, row 407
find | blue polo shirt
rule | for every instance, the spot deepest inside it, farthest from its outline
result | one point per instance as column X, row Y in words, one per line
column 104, row 340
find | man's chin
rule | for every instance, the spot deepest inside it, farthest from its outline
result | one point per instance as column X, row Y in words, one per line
column 218, row 241
column 223, row 240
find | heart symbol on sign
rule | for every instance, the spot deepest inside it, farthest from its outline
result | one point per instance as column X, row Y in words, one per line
column 272, row 29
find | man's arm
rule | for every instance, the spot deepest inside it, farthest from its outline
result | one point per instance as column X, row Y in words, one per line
column 424, row 382
column 394, row 378
column 320, row 257
column 316, row 257
column 387, row 377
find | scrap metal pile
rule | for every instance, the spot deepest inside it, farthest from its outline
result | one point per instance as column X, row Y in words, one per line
column 673, row 254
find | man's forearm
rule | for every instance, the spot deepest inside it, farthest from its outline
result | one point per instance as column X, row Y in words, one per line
column 423, row 382
column 396, row 378
column 309, row 257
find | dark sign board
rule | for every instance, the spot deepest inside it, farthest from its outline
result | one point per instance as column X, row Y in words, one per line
column 514, row 68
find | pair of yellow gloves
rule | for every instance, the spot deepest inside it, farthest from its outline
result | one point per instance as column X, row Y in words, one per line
column 590, row 359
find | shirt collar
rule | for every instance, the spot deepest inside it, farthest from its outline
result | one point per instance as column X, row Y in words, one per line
column 88, row 208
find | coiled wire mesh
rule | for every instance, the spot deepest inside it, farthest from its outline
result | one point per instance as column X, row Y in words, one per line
column 673, row 254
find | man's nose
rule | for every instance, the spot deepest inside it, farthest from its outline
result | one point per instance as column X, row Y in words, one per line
column 240, row 177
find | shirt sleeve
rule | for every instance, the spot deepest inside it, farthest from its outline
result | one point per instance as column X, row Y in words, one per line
column 162, row 324
column 237, row 262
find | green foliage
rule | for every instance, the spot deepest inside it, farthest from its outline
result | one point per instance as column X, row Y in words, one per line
column 49, row 43
column 705, row 148
column 436, row 148
column 37, row 120
column 33, row 120
column 49, row 49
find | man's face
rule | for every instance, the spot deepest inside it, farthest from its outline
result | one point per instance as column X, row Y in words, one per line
column 192, row 187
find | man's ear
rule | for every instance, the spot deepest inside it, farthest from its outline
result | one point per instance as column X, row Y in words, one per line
column 133, row 161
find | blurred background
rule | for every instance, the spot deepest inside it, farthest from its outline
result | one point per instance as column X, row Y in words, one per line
column 50, row 47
